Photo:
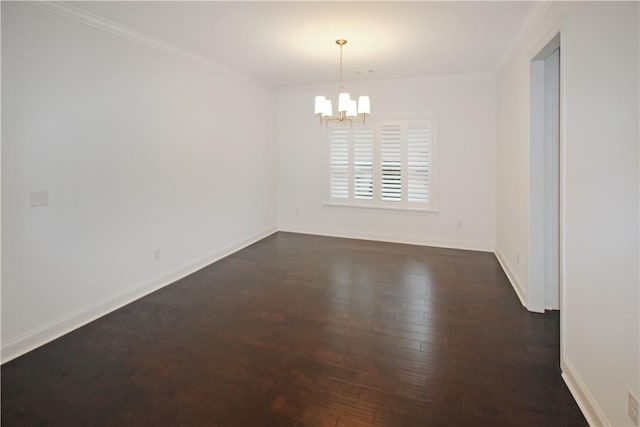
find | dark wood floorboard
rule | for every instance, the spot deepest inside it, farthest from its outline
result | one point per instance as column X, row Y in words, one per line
column 301, row 330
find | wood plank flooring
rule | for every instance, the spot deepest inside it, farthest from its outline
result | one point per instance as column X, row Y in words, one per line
column 300, row 330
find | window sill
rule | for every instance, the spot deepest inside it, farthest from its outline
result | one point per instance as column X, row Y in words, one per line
column 378, row 207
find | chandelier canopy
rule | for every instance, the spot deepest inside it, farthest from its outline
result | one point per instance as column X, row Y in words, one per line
column 348, row 109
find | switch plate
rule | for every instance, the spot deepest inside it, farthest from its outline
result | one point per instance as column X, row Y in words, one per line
column 38, row 198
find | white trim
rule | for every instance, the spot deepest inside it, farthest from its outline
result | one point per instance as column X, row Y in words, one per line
column 535, row 265
column 551, row 31
column 336, row 203
column 1, row 245
column 552, row 164
column 391, row 238
column 65, row 324
column 562, row 256
column 585, row 400
column 559, row 26
column 98, row 22
column 537, row 10
column 511, row 276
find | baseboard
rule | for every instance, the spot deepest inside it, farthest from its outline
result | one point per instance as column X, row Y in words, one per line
column 585, row 400
column 515, row 283
column 65, row 324
column 383, row 237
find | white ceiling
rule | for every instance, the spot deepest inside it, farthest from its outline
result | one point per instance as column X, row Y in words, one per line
column 287, row 44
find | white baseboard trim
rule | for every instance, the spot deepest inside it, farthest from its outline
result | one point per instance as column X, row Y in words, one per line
column 515, row 283
column 383, row 237
column 585, row 400
column 65, row 324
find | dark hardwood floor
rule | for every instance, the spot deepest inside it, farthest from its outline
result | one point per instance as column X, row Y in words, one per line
column 301, row 330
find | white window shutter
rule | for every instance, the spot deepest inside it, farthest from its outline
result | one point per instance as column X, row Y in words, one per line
column 390, row 134
column 419, row 161
column 339, row 162
column 388, row 164
column 363, row 144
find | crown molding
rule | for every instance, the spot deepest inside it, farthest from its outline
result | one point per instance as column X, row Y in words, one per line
column 537, row 10
column 93, row 20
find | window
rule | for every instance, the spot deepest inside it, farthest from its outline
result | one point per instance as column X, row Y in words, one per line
column 383, row 164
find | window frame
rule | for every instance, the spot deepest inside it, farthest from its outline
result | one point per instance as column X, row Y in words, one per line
column 376, row 202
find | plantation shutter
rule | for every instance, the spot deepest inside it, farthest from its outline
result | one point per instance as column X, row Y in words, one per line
column 339, row 162
column 388, row 164
column 363, row 143
column 419, row 161
column 391, row 161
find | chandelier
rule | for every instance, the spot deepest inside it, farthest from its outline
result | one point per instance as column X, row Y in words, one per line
column 348, row 109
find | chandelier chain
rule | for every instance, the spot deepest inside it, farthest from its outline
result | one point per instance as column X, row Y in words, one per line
column 341, row 87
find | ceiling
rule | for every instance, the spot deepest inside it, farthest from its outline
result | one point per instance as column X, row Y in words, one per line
column 285, row 44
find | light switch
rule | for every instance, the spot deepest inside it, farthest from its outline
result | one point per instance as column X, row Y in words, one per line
column 39, row 198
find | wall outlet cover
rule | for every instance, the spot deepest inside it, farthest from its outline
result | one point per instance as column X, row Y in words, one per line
column 38, row 198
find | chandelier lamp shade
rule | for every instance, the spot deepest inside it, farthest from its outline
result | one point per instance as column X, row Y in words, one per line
column 348, row 109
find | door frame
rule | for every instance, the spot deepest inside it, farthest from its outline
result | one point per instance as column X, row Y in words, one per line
column 553, row 39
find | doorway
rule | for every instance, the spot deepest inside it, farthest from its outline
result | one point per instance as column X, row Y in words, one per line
column 544, row 207
column 545, row 203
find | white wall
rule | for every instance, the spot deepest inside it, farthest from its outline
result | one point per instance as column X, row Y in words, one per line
column 139, row 150
column 465, row 163
column 600, row 313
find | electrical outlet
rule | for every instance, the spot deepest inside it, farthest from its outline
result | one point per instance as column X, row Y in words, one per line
column 633, row 408
column 518, row 258
column 156, row 254
column 459, row 225
column 38, row 198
